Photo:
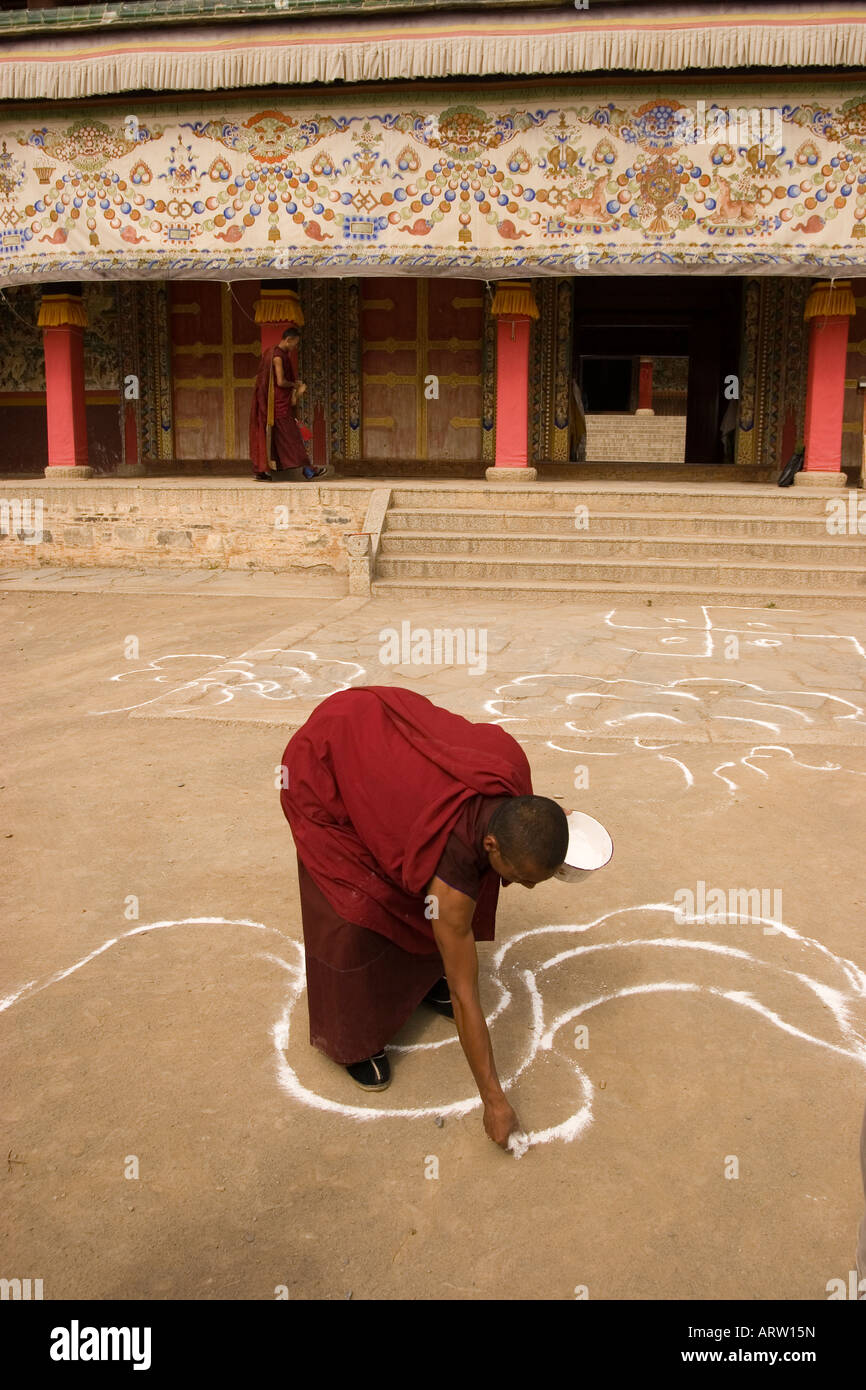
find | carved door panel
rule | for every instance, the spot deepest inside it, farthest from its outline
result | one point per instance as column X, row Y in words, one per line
column 389, row 367
column 413, row 331
column 215, row 347
column 455, row 327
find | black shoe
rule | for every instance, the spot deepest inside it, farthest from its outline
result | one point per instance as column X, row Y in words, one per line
column 263, row 477
column 373, row 1074
column 439, row 998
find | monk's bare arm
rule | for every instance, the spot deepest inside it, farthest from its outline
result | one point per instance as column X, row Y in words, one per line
column 453, row 932
column 279, row 373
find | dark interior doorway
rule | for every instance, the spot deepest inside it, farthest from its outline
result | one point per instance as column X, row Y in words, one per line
column 607, row 385
column 625, row 317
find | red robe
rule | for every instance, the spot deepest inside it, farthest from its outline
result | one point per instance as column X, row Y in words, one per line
column 276, row 438
column 376, row 780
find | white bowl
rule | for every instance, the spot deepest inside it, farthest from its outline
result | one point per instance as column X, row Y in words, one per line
column 589, row 847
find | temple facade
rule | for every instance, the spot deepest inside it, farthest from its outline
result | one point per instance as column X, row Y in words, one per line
column 503, row 257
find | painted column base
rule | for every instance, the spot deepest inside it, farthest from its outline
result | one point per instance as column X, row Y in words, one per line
column 71, row 470
column 511, row 475
column 816, row 478
column 644, row 410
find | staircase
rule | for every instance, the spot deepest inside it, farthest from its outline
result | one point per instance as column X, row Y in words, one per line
column 686, row 542
column 646, row 438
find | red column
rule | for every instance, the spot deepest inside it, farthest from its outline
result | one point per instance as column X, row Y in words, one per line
column 61, row 317
column 645, row 387
column 271, row 333
column 512, row 392
column 828, row 309
column 514, row 308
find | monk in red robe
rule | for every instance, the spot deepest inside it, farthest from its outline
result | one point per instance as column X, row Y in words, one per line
column 276, row 440
column 406, row 819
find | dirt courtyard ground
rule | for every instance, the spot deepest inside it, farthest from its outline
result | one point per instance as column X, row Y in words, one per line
column 693, row 1088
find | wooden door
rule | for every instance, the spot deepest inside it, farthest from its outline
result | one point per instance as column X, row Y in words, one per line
column 215, row 350
column 421, row 356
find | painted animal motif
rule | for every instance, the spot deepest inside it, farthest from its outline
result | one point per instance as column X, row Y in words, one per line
column 508, row 230
column 312, row 229
column 731, row 209
column 814, row 224
column 591, row 208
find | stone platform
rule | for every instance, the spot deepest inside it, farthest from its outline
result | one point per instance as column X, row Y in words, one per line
column 690, row 536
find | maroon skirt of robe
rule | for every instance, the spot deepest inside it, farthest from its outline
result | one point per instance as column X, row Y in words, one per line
column 361, row 988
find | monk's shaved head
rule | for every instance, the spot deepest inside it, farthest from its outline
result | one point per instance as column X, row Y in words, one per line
column 531, row 832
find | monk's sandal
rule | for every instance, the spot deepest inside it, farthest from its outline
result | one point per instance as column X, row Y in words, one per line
column 374, row 1074
column 439, row 998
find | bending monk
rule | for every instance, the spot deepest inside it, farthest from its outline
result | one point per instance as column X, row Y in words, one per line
column 406, row 818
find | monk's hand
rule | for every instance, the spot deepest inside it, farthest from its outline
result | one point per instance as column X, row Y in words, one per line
column 300, row 389
column 500, row 1121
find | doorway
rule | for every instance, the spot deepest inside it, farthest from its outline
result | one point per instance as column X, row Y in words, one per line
column 421, row 365
column 688, row 327
column 607, row 384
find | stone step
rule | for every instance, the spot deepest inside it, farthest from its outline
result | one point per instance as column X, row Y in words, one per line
column 699, row 573
column 484, row 521
column 459, row 590
column 756, row 499
column 832, row 550
column 661, row 454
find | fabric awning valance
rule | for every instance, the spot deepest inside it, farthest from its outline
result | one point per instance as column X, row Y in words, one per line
column 288, row 52
column 547, row 181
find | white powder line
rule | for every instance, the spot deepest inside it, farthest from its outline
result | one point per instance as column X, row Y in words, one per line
column 578, row 752
column 772, row 704
column 232, row 667
column 687, row 774
column 644, row 714
column 292, row 1085
column 712, row 947
column 832, row 998
column 539, row 1040
column 36, row 987
column 163, row 694
column 734, row 996
column 490, row 1019
column 172, row 656
column 852, row 972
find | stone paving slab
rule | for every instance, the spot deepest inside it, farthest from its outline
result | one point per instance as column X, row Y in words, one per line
column 692, row 675
column 220, row 582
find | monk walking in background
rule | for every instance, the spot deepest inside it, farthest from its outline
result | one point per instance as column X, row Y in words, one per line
column 406, row 818
column 276, row 441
